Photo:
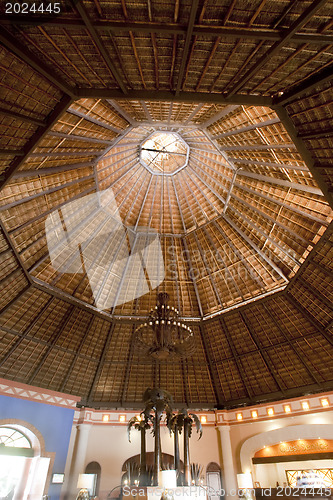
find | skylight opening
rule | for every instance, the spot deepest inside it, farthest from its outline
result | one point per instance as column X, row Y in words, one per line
column 164, row 153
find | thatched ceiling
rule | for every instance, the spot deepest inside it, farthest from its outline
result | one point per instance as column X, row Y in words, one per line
column 243, row 227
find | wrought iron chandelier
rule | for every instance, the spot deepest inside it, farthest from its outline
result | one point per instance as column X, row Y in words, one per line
column 163, row 335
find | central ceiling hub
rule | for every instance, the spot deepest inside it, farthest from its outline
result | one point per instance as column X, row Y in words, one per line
column 164, row 153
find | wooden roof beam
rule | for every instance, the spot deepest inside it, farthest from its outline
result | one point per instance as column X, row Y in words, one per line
column 254, row 126
column 258, row 147
column 268, row 164
column 36, row 138
column 288, row 339
column 15, row 299
column 212, row 369
column 59, row 331
column 276, row 201
column 303, row 151
column 281, row 182
column 172, row 28
column 296, row 26
column 217, row 252
column 15, row 253
column 276, row 377
column 186, row 49
column 194, row 112
column 320, row 78
column 254, row 274
column 20, row 51
column 100, row 362
column 25, row 333
column 122, row 112
column 170, row 96
column 82, row 138
column 256, row 248
column 266, row 236
column 94, row 120
column 236, row 356
column 99, row 44
column 22, row 117
column 217, row 116
column 193, row 278
column 318, row 326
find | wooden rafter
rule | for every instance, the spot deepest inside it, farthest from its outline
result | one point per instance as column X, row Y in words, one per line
column 98, row 43
column 297, row 25
column 36, row 138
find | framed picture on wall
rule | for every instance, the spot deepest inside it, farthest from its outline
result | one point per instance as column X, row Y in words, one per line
column 58, row 478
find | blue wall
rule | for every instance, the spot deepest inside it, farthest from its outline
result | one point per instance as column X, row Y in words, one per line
column 53, row 422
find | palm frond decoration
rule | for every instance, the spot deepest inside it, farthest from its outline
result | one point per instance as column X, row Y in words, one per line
column 138, row 423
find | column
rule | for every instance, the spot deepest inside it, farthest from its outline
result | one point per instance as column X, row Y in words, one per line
column 77, row 460
column 229, row 475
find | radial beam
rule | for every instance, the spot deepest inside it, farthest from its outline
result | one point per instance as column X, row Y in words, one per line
column 318, row 326
column 77, row 354
column 276, row 201
column 101, row 361
column 256, row 248
column 263, row 354
column 26, row 332
column 59, row 331
column 15, row 252
column 22, row 117
column 98, row 42
column 14, row 46
column 236, row 356
column 36, row 138
column 296, row 26
column 314, row 81
column 212, row 369
column 217, row 116
column 170, row 96
column 82, row 138
column 281, row 182
column 192, row 277
column 309, row 370
column 122, row 112
column 127, row 371
column 44, row 193
column 306, row 156
column 94, row 120
column 188, row 37
column 254, row 126
column 268, row 164
column 258, row 147
column 258, row 279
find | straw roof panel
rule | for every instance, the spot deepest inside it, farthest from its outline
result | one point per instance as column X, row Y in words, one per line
column 226, row 237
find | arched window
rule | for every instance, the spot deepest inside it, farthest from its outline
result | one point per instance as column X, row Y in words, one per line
column 25, row 466
column 13, row 438
column 94, row 468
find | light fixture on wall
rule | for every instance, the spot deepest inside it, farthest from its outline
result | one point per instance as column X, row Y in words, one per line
column 270, row 412
column 106, row 418
column 324, row 402
column 287, row 408
column 254, row 414
column 305, row 405
column 122, row 418
column 163, row 335
column 203, row 419
column 239, row 416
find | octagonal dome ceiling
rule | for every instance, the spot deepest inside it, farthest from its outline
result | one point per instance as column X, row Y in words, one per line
column 211, row 203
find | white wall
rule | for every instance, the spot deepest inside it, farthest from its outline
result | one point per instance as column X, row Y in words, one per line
column 108, row 445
